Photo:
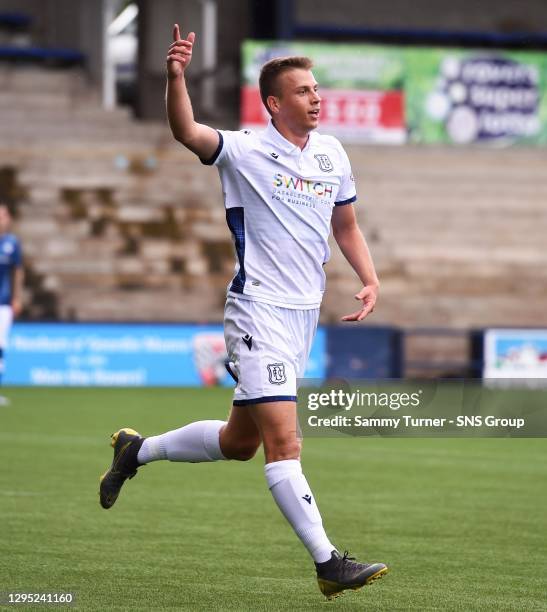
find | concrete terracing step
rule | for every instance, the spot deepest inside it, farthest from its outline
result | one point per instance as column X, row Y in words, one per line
column 25, row 79
column 53, row 101
column 445, row 161
column 462, row 312
column 81, row 131
column 60, row 114
column 146, row 305
column 430, row 239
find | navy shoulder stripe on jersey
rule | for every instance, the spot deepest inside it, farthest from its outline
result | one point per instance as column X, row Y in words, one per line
column 212, row 160
column 348, row 201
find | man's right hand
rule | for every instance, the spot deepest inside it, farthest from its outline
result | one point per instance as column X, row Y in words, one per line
column 179, row 55
column 201, row 139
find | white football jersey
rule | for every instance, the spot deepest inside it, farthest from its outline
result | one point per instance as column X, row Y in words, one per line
column 279, row 201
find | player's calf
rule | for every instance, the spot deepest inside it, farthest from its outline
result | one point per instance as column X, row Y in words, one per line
column 240, row 451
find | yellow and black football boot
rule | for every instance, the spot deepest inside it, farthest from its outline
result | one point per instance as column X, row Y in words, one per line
column 342, row 573
column 126, row 443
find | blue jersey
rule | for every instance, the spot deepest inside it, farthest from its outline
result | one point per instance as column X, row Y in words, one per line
column 10, row 258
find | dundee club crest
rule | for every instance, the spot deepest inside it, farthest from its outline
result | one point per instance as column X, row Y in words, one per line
column 276, row 373
column 324, row 162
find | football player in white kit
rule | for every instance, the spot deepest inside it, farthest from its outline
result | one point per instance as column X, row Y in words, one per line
column 283, row 189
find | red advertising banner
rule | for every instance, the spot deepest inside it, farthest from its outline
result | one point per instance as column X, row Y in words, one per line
column 362, row 92
column 376, row 116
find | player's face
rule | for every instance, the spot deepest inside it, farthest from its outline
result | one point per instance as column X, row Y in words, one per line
column 299, row 103
column 4, row 219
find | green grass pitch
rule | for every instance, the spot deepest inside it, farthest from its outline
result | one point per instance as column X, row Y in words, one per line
column 462, row 524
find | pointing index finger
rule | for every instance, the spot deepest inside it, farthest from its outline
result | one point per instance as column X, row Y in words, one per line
column 176, row 32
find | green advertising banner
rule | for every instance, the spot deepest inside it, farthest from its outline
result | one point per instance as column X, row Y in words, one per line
column 462, row 97
column 382, row 94
column 337, row 66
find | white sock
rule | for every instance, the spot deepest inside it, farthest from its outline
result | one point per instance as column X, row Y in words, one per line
column 292, row 494
column 194, row 443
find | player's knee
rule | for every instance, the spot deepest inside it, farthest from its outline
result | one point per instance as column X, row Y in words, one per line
column 282, row 448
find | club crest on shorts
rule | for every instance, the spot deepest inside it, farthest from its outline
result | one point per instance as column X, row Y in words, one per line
column 276, row 373
column 324, row 162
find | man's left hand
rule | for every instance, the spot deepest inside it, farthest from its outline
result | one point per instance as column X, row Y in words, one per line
column 368, row 296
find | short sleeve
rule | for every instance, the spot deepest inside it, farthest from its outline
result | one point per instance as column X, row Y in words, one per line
column 231, row 146
column 346, row 193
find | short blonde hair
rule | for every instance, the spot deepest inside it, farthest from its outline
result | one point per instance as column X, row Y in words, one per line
column 271, row 70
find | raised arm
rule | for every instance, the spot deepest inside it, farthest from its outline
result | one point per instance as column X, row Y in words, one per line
column 200, row 139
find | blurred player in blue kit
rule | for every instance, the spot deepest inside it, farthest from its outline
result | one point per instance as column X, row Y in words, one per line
column 11, row 282
column 283, row 189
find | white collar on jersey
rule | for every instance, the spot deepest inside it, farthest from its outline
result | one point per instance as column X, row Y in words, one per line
column 272, row 135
